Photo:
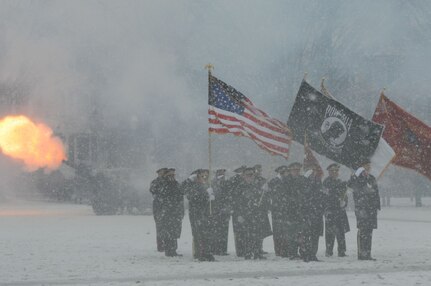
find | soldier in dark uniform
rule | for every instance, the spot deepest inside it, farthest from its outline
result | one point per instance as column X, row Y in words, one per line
column 312, row 209
column 172, row 213
column 277, row 195
column 155, row 187
column 235, row 200
column 249, row 210
column 220, row 213
column 367, row 203
column 295, row 184
column 200, row 196
column 336, row 221
column 265, row 202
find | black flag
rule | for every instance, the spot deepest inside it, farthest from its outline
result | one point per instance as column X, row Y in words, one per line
column 332, row 130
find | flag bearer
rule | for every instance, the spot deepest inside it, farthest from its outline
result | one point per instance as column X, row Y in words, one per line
column 367, row 203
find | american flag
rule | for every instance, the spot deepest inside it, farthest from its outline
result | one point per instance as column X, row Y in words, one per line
column 231, row 112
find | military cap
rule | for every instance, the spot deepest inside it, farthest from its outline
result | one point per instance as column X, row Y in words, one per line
column 170, row 170
column 248, row 169
column 294, row 165
column 161, row 170
column 333, row 166
column 240, row 169
column 281, row 169
column 220, row 171
column 197, row 171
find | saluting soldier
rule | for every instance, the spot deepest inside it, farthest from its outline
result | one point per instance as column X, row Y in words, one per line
column 155, row 187
column 235, row 203
column 199, row 196
column 220, row 213
column 367, row 203
column 295, row 184
column 172, row 213
column 278, row 196
column 336, row 221
column 312, row 208
column 265, row 204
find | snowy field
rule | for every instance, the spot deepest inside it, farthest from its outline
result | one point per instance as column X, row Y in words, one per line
column 62, row 244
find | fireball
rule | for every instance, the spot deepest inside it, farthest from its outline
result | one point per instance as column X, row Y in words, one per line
column 31, row 143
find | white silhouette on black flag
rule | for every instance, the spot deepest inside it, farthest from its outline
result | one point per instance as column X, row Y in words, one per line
column 332, row 129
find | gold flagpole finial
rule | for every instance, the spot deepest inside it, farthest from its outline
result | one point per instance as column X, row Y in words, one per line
column 209, row 67
column 383, row 91
column 305, row 76
column 322, row 84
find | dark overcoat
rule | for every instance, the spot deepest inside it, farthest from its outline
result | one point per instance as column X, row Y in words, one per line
column 336, row 202
column 155, row 188
column 172, row 209
column 199, row 208
column 367, row 200
column 278, row 197
column 313, row 206
column 286, row 205
column 252, row 213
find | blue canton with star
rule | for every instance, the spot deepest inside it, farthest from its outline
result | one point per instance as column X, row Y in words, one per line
column 225, row 97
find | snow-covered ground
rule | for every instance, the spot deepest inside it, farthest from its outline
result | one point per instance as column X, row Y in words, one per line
column 63, row 244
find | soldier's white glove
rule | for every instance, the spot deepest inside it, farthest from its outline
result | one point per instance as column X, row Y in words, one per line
column 241, row 219
column 359, row 171
column 193, row 177
column 308, row 173
column 210, row 192
column 343, row 204
column 325, row 191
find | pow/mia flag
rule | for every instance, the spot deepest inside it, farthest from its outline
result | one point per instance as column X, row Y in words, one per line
column 331, row 129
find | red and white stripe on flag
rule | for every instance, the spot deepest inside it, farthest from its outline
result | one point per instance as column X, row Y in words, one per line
column 270, row 134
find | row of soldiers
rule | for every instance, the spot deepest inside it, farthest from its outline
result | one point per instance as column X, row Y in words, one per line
column 298, row 203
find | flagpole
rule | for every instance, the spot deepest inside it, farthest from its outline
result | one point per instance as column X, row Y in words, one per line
column 209, row 67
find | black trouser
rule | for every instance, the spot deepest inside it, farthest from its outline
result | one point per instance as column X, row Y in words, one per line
column 278, row 245
column 330, row 234
column 314, row 244
column 170, row 246
column 292, row 247
column 201, row 247
column 292, row 243
column 252, row 246
column 309, row 245
column 365, row 236
column 240, row 236
column 159, row 240
column 219, row 242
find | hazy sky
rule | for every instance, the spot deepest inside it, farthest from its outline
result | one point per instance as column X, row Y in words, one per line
column 142, row 62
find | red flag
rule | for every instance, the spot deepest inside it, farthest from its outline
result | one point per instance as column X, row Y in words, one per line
column 408, row 136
